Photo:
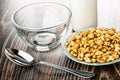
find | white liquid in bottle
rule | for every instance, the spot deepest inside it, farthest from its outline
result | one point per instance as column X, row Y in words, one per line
column 84, row 14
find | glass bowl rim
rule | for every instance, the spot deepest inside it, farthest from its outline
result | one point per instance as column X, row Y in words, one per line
column 34, row 29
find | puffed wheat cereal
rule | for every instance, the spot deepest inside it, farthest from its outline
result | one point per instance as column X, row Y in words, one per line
column 98, row 44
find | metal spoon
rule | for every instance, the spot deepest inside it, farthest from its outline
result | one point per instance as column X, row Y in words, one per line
column 24, row 59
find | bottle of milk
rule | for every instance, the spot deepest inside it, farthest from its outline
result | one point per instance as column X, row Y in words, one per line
column 109, row 13
column 84, row 14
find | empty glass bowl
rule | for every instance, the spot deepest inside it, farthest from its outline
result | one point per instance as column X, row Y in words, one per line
column 42, row 25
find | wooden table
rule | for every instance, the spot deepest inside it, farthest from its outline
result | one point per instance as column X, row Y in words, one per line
column 10, row 71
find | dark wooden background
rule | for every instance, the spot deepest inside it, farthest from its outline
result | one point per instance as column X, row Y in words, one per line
column 10, row 71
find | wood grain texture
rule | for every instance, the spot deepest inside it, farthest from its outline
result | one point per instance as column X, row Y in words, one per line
column 10, row 71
